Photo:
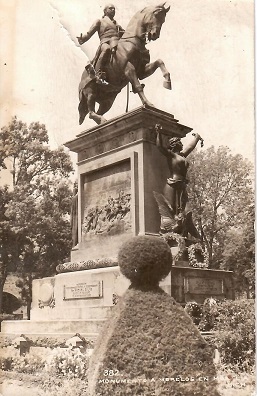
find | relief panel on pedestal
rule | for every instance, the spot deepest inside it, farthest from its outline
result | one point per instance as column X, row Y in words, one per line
column 107, row 201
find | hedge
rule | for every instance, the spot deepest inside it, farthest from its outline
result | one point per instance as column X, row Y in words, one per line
column 150, row 346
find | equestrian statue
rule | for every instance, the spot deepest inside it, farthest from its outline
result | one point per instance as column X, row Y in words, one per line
column 125, row 60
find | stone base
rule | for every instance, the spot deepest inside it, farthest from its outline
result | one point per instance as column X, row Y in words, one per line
column 79, row 302
column 197, row 284
column 73, row 302
column 75, row 295
column 54, row 328
column 80, row 295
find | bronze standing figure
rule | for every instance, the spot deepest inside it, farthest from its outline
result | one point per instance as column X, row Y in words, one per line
column 176, row 215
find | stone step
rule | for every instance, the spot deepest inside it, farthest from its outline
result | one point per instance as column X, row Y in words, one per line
column 76, row 313
column 61, row 327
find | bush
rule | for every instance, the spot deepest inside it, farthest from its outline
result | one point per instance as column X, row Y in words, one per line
column 147, row 343
column 149, row 346
column 235, row 332
column 5, row 341
column 29, row 364
column 204, row 315
column 67, row 362
column 209, row 314
column 10, row 360
column 45, row 342
column 6, row 358
column 48, row 342
column 194, row 310
column 233, row 325
column 145, row 260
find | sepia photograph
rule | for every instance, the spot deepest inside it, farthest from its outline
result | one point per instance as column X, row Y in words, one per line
column 127, row 198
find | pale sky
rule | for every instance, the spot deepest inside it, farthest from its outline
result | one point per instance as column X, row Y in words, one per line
column 207, row 45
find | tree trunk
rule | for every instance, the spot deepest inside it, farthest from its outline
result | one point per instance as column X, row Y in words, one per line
column 28, row 309
column 29, row 302
column 1, row 294
column 210, row 253
column 3, row 275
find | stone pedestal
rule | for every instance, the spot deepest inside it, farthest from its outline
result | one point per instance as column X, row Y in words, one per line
column 119, row 167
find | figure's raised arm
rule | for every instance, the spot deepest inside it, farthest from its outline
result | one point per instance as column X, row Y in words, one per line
column 159, row 142
column 190, row 147
column 94, row 28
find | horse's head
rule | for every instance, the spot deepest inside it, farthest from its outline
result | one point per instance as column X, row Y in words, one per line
column 153, row 19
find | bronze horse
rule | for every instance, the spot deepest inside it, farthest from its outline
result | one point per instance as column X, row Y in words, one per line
column 130, row 63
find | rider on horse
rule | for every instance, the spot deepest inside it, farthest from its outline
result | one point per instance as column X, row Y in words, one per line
column 131, row 62
column 109, row 33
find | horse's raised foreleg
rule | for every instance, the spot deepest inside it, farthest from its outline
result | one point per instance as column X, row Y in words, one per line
column 105, row 105
column 150, row 69
column 130, row 73
column 91, row 99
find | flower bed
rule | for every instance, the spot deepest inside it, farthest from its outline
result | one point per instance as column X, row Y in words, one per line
column 61, row 362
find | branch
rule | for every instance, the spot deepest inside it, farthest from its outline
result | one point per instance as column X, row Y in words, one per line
column 225, row 193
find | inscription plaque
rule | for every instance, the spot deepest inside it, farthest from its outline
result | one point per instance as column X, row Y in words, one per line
column 202, row 285
column 83, row 291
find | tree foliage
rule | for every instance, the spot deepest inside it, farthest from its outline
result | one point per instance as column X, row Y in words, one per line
column 34, row 211
column 239, row 255
column 220, row 192
column 26, row 146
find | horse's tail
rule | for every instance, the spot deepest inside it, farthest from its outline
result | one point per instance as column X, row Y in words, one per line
column 83, row 107
column 86, row 78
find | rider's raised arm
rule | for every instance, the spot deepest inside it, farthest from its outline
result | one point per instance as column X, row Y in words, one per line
column 190, row 147
column 94, row 28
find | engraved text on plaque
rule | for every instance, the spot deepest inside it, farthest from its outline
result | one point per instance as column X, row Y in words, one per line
column 203, row 285
column 83, row 291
